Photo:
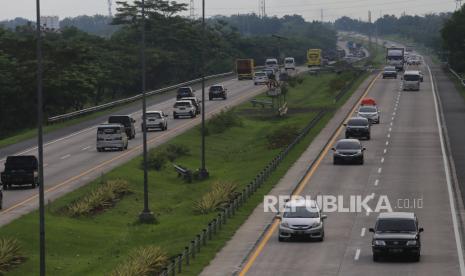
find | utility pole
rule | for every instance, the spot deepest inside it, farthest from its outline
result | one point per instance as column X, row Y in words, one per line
column 40, row 142
column 262, row 8
column 146, row 216
column 110, row 8
column 322, row 16
column 369, row 30
column 192, row 10
column 203, row 173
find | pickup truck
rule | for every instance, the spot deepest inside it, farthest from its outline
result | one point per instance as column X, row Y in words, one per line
column 20, row 170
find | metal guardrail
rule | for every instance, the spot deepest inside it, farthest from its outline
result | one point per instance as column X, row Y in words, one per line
column 89, row 110
column 462, row 80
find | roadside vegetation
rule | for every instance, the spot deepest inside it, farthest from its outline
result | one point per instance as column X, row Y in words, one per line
column 102, row 243
column 10, row 254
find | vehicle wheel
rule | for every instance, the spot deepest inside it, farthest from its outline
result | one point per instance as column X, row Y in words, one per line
column 368, row 137
column 322, row 237
column 416, row 258
column 5, row 187
column 175, row 116
column 375, row 257
column 126, row 147
column 335, row 162
column 361, row 161
column 210, row 98
column 280, row 239
column 121, row 149
column 255, row 83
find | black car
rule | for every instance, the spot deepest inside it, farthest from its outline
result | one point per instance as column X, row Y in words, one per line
column 389, row 72
column 127, row 122
column 396, row 233
column 1, row 197
column 358, row 127
column 348, row 151
column 184, row 92
column 217, row 91
column 20, row 170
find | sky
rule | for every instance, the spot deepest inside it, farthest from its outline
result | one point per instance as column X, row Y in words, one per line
column 309, row 9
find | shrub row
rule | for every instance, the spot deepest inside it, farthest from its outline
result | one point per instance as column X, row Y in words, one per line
column 99, row 199
column 10, row 254
column 221, row 194
column 144, row 261
column 157, row 158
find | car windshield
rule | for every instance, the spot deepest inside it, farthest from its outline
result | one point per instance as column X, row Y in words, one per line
column 301, row 212
column 389, row 69
column 124, row 120
column 411, row 77
column 396, row 225
column 347, row 145
column 357, row 122
column 261, row 74
column 184, row 90
column 271, row 63
column 181, row 104
column 22, row 162
column 289, row 61
column 367, row 109
column 154, row 115
column 109, row 130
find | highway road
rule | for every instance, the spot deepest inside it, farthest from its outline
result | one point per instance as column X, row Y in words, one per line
column 405, row 161
column 72, row 160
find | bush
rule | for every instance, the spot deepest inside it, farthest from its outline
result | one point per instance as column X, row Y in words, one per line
column 10, row 254
column 282, row 137
column 222, row 121
column 144, row 261
column 101, row 198
column 156, row 160
column 296, row 80
column 220, row 195
column 174, row 151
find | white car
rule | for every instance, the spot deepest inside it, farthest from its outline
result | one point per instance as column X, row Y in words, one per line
column 301, row 218
column 111, row 136
column 156, row 120
column 370, row 112
column 260, row 78
column 289, row 63
column 184, row 108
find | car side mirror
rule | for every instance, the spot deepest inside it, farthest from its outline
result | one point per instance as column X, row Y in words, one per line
column 344, row 124
column 333, row 149
column 324, row 216
column 278, row 217
column 421, row 230
column 371, row 230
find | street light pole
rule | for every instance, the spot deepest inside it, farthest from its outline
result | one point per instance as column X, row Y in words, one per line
column 40, row 146
column 203, row 173
column 146, row 216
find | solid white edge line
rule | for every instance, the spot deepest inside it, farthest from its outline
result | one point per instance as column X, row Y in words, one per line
column 448, row 180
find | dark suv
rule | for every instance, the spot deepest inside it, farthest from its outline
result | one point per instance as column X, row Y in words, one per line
column 20, row 170
column 348, row 150
column 396, row 233
column 184, row 92
column 127, row 122
column 358, row 127
column 217, row 91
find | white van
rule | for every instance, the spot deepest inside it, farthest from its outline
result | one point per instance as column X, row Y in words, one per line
column 272, row 63
column 111, row 136
column 411, row 80
column 289, row 63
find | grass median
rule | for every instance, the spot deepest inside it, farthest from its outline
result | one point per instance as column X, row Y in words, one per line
column 95, row 245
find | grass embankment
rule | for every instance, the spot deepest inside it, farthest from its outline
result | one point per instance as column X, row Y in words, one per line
column 97, row 244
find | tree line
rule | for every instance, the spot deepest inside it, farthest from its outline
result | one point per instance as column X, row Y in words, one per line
column 82, row 69
column 453, row 34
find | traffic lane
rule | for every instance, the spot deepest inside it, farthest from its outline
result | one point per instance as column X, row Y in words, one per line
column 302, row 258
column 413, row 177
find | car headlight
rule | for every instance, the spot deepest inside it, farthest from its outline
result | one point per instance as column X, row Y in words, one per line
column 379, row 242
column 412, row 243
column 285, row 224
column 316, row 224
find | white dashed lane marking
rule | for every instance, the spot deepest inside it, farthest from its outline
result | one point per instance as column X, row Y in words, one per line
column 65, row 157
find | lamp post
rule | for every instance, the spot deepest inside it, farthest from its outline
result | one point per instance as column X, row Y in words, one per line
column 40, row 146
column 203, row 172
column 146, row 216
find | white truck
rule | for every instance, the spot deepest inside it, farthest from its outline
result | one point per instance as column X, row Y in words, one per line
column 395, row 57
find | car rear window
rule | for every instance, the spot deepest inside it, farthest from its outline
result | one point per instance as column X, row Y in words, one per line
column 357, row 122
column 271, row 63
column 184, row 90
column 411, row 77
column 109, row 130
column 22, row 162
column 124, row 120
column 261, row 74
column 396, row 225
column 154, row 115
column 216, row 88
column 179, row 104
column 367, row 109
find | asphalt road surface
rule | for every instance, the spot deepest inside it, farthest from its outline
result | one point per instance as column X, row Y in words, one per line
column 404, row 161
column 72, row 161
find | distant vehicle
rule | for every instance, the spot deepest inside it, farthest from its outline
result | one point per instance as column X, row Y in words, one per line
column 156, row 120
column 396, row 233
column 184, row 92
column 127, row 122
column 411, row 80
column 368, row 101
column 217, row 91
column 260, row 78
column 314, row 57
column 111, row 136
column 341, row 53
column 358, row 127
column 20, row 170
column 289, row 63
column 421, row 76
column 389, row 72
column 195, row 102
column 301, row 218
column 370, row 112
column 269, row 73
column 272, row 63
column 395, row 57
column 245, row 69
column 348, row 151
column 184, row 108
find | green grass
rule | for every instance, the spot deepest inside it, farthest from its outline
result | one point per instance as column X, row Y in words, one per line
column 96, row 245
